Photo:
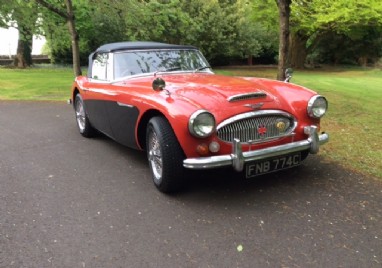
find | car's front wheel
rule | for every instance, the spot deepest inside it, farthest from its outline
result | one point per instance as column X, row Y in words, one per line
column 82, row 119
column 165, row 155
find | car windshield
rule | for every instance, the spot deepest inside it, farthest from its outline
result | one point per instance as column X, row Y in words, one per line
column 137, row 62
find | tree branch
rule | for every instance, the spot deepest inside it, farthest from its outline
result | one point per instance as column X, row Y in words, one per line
column 52, row 8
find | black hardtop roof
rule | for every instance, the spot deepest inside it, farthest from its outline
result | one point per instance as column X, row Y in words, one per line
column 139, row 45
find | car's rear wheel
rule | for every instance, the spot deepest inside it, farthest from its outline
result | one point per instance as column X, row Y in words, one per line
column 165, row 155
column 82, row 119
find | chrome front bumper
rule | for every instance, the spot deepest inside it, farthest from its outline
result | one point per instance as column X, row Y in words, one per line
column 238, row 158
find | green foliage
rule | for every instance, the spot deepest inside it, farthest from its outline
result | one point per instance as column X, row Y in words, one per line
column 94, row 25
column 265, row 14
column 213, row 28
column 339, row 30
column 221, row 29
column 335, row 15
column 19, row 14
column 156, row 21
column 361, row 45
column 23, row 16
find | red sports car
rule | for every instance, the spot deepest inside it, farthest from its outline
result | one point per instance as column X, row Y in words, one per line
column 166, row 100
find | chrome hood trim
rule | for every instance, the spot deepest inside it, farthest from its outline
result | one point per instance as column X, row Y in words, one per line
column 247, row 96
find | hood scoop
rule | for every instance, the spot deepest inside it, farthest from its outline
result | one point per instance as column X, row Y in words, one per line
column 247, row 96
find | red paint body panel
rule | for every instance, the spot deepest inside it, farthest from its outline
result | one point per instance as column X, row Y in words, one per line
column 189, row 92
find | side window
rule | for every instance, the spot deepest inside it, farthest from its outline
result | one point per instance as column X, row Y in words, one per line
column 99, row 70
column 120, row 65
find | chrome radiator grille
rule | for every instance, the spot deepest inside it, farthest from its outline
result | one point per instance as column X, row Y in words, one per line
column 256, row 126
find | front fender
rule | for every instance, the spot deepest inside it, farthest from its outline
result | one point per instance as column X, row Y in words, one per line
column 292, row 98
column 177, row 111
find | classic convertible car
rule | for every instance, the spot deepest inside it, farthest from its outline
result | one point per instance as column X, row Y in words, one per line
column 166, row 100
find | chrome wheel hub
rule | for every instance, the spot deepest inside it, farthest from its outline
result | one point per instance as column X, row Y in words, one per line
column 155, row 156
column 80, row 115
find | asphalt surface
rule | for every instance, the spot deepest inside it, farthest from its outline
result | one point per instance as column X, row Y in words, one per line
column 67, row 201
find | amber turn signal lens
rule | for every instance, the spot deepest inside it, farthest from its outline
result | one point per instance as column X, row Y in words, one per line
column 202, row 149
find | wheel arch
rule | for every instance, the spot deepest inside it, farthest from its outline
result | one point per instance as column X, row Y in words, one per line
column 74, row 94
column 142, row 126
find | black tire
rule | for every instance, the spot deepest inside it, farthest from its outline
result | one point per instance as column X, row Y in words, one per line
column 165, row 156
column 82, row 119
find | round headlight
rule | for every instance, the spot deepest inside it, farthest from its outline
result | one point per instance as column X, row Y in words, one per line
column 201, row 124
column 317, row 106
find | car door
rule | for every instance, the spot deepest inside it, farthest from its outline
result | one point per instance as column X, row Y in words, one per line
column 122, row 114
column 97, row 92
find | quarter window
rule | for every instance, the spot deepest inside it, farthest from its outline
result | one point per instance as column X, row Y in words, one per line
column 100, row 67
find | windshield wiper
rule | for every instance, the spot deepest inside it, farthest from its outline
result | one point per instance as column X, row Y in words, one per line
column 202, row 68
column 162, row 70
column 173, row 69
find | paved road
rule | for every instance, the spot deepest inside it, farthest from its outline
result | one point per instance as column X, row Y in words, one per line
column 67, row 201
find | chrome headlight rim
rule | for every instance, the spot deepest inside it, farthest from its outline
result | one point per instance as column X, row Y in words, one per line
column 316, row 108
column 195, row 119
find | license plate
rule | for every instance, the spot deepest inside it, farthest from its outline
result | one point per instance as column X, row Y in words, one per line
column 257, row 168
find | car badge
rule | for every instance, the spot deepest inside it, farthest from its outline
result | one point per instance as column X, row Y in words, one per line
column 262, row 130
column 281, row 126
column 255, row 106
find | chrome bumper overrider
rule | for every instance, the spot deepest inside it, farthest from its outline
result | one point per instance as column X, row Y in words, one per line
column 237, row 158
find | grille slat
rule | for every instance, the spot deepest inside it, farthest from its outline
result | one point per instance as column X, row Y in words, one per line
column 256, row 126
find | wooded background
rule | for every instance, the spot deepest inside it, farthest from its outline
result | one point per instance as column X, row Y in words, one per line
column 227, row 31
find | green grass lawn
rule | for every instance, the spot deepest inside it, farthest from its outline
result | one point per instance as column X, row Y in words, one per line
column 354, row 119
column 36, row 83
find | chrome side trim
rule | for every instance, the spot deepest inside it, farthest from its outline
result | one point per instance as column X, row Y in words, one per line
column 125, row 105
column 238, row 158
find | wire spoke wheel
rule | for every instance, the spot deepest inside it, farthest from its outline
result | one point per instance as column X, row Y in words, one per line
column 165, row 155
column 83, row 123
column 80, row 115
column 155, row 156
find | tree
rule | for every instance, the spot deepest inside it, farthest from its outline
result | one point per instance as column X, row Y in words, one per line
column 362, row 45
column 68, row 15
column 314, row 20
column 222, row 29
column 265, row 15
column 97, row 22
column 23, row 16
column 284, row 14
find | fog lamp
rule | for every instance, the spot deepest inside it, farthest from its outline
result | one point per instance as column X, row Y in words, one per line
column 214, row 147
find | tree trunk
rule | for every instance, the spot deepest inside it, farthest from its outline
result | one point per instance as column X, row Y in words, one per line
column 250, row 60
column 70, row 20
column 297, row 50
column 23, row 57
column 284, row 13
column 362, row 61
column 75, row 38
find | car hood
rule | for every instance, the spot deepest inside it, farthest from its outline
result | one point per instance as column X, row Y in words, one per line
column 210, row 91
